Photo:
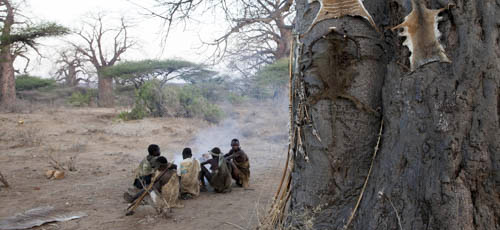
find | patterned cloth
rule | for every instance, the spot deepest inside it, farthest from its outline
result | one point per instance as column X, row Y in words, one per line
column 170, row 192
column 189, row 171
column 168, row 186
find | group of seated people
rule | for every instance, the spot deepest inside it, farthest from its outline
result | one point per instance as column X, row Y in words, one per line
column 188, row 179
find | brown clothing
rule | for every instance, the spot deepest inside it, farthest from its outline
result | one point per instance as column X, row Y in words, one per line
column 242, row 172
column 238, row 155
column 170, row 192
column 168, row 186
column 220, row 178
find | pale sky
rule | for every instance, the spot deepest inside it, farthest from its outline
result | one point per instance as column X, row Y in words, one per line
column 183, row 42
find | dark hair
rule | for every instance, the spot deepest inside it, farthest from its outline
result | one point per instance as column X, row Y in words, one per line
column 235, row 142
column 187, row 153
column 154, row 149
column 216, row 150
column 162, row 160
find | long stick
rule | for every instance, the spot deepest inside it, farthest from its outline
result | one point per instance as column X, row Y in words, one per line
column 3, row 180
column 137, row 202
column 367, row 177
column 291, row 133
column 235, row 225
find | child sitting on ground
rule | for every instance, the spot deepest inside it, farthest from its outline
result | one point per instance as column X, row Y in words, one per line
column 189, row 170
column 145, row 171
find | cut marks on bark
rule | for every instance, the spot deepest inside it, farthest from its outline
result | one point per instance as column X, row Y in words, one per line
column 336, row 70
column 420, row 28
column 330, row 9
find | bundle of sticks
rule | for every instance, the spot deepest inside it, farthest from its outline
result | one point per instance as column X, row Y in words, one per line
column 3, row 180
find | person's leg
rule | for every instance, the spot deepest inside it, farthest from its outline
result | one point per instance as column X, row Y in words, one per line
column 235, row 173
column 186, row 196
column 131, row 198
column 142, row 181
column 232, row 170
column 204, row 173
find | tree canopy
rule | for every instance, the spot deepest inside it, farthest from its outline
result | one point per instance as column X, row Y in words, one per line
column 139, row 72
column 274, row 75
column 29, row 34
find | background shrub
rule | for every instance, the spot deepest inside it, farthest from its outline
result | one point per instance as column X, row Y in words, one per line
column 173, row 100
column 234, row 98
column 137, row 113
column 26, row 82
column 82, row 98
column 79, row 99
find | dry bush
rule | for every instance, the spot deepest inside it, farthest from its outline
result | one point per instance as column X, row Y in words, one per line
column 77, row 148
column 21, row 106
column 95, row 131
column 61, row 164
column 292, row 221
column 68, row 165
column 28, row 137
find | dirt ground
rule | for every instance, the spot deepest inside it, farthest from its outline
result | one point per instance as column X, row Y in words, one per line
column 107, row 151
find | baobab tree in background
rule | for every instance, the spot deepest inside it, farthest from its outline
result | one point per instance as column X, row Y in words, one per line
column 438, row 160
column 71, row 67
column 18, row 36
column 259, row 31
column 95, row 37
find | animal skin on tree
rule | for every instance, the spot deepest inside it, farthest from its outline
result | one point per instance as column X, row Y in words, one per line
column 420, row 28
column 330, row 9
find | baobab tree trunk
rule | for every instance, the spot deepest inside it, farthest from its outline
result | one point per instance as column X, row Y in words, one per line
column 283, row 42
column 105, row 94
column 71, row 79
column 7, row 78
column 438, row 166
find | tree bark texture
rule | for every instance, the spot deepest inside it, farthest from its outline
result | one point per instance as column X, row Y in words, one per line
column 7, row 74
column 105, row 94
column 7, row 79
column 438, row 166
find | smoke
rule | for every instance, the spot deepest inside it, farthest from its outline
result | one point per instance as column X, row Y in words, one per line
column 215, row 136
column 244, row 123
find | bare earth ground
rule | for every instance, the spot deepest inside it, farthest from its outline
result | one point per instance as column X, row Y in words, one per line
column 108, row 150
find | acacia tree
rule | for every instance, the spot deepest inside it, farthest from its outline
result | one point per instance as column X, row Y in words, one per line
column 96, row 37
column 259, row 31
column 436, row 163
column 17, row 36
column 150, row 76
column 137, row 73
column 71, row 67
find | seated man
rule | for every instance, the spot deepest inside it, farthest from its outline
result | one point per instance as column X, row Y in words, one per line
column 220, row 175
column 189, row 171
column 166, row 183
column 240, row 165
column 144, row 172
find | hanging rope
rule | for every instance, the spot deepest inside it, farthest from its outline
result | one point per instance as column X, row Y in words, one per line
column 367, row 177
